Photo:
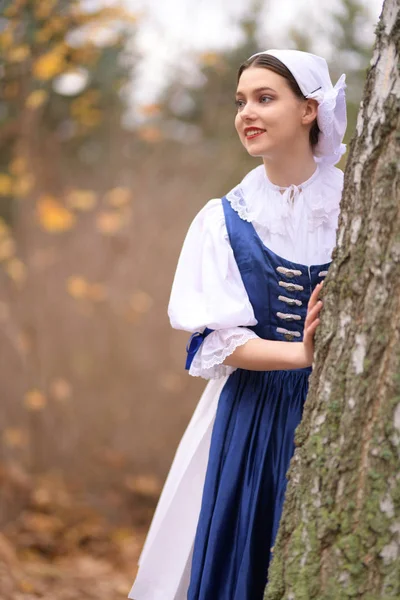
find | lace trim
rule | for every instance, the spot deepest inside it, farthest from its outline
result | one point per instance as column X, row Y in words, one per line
column 273, row 214
column 236, row 200
column 212, row 368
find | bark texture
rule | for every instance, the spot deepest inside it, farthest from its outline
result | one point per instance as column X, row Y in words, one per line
column 340, row 531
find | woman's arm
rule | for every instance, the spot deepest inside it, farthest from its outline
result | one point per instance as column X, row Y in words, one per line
column 270, row 355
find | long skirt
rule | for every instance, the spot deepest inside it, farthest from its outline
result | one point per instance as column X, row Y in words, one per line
column 217, row 518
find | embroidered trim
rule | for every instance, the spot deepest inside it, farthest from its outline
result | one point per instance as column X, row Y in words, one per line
column 288, row 335
column 288, row 316
column 290, row 301
column 291, row 287
column 289, row 272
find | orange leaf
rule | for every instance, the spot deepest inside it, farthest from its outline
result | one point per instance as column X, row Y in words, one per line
column 77, row 287
column 53, row 216
column 35, row 400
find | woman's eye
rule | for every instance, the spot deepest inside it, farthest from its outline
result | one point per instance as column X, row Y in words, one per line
column 239, row 103
column 265, row 99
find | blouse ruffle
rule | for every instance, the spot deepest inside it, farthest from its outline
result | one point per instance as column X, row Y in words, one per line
column 298, row 223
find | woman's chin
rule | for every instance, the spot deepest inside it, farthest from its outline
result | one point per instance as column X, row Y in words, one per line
column 258, row 152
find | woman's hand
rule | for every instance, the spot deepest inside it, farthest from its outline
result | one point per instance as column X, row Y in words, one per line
column 311, row 323
column 273, row 355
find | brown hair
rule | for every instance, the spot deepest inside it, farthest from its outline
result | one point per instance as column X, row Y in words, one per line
column 267, row 61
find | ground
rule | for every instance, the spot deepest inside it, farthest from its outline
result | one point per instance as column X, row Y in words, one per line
column 60, row 548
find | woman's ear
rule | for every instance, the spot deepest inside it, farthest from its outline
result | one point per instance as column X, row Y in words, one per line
column 310, row 111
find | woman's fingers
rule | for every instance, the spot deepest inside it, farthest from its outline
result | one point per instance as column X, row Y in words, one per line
column 312, row 328
column 313, row 313
column 314, row 296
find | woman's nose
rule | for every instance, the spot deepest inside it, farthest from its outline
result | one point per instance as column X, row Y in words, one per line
column 248, row 112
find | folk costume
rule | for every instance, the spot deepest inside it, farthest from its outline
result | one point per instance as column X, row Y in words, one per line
column 248, row 266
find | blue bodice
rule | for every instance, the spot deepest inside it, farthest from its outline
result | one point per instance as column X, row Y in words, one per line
column 278, row 289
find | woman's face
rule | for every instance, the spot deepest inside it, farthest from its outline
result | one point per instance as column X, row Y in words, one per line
column 270, row 119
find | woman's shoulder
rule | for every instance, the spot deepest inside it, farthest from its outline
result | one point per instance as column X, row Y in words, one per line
column 332, row 177
column 210, row 214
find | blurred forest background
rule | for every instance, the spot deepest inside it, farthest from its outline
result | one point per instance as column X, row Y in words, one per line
column 93, row 214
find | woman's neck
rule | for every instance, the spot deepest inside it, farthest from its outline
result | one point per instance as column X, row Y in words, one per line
column 285, row 173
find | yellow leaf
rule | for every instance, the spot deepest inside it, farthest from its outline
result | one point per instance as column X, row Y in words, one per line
column 6, row 184
column 119, row 196
column 36, row 99
column 18, row 54
column 77, row 287
column 109, row 222
column 16, row 270
column 35, row 400
column 49, row 65
column 81, row 199
column 13, row 437
column 53, row 216
column 141, row 302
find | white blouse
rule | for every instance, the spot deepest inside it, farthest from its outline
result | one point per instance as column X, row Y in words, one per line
column 298, row 223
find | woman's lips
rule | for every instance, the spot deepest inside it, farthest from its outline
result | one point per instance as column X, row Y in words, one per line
column 253, row 135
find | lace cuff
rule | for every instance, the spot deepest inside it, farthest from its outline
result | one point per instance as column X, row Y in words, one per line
column 216, row 347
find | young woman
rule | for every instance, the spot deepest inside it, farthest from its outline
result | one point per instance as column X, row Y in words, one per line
column 247, row 284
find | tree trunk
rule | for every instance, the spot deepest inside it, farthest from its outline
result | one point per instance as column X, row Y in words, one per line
column 340, row 530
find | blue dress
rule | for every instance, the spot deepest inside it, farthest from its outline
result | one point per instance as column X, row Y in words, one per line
column 253, row 435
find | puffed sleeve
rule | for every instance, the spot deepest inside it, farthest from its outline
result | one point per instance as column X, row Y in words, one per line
column 208, row 291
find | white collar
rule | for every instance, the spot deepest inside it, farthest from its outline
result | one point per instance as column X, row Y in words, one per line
column 257, row 200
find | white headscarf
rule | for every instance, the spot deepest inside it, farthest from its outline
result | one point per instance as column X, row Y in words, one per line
column 312, row 76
